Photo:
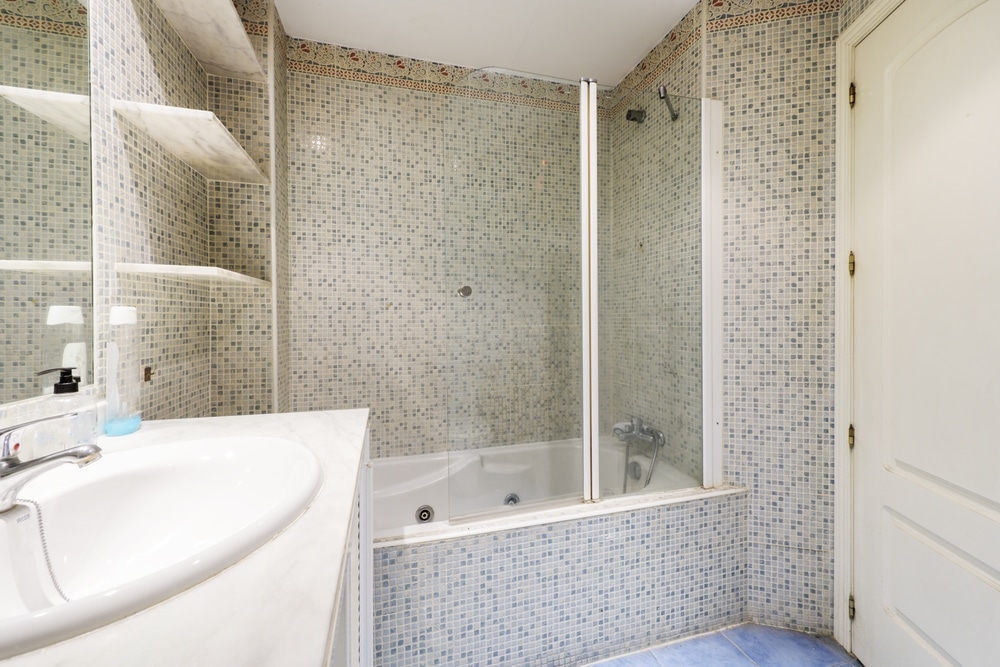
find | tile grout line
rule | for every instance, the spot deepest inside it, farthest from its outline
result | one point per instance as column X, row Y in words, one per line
column 740, row 649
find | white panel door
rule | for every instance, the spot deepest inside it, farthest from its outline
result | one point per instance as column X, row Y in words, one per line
column 927, row 337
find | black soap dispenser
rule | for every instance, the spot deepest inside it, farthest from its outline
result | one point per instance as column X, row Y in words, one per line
column 67, row 383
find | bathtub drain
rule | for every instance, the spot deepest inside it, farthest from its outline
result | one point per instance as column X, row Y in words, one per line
column 425, row 514
column 511, row 499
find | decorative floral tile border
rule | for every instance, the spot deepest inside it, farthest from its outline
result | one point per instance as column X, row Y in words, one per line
column 256, row 28
column 60, row 17
column 728, row 14
column 56, row 11
column 252, row 12
column 382, row 69
column 685, row 34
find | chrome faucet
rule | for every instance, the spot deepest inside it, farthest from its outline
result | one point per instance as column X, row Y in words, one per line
column 15, row 473
column 636, row 431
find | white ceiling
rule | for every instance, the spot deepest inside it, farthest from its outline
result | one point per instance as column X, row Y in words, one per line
column 560, row 39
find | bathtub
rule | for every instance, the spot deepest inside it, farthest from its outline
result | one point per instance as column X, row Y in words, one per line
column 433, row 495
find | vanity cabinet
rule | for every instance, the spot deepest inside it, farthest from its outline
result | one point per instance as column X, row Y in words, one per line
column 352, row 642
column 302, row 598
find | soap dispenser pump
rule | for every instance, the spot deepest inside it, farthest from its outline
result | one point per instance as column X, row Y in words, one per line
column 67, row 382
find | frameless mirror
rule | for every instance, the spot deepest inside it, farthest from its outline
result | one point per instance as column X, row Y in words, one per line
column 46, row 285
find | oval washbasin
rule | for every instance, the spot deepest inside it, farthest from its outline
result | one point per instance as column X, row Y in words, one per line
column 138, row 526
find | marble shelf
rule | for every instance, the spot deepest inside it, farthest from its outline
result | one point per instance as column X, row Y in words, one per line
column 69, row 111
column 197, row 137
column 213, row 31
column 198, row 274
column 32, row 266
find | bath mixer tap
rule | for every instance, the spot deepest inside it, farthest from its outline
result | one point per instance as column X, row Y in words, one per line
column 636, row 431
column 15, row 473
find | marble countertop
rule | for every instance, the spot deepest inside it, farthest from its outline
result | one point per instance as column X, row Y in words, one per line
column 274, row 607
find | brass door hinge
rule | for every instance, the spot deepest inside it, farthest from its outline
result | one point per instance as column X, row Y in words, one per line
column 850, row 436
column 852, row 94
column 850, row 607
column 850, row 263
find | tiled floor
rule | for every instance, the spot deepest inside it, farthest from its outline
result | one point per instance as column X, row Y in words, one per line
column 742, row 646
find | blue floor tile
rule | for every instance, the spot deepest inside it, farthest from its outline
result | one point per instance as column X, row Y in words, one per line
column 774, row 647
column 710, row 651
column 644, row 659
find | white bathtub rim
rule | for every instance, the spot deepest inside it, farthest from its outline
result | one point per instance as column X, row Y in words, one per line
column 442, row 530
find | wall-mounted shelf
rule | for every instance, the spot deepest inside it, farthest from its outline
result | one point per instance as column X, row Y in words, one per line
column 197, row 274
column 30, row 266
column 196, row 137
column 66, row 110
column 214, row 33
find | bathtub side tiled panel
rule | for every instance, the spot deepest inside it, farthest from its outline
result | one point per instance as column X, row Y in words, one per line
column 565, row 593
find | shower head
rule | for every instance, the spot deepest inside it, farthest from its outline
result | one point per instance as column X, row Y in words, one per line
column 635, row 114
column 666, row 98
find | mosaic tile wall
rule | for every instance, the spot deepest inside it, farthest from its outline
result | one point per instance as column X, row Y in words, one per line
column 149, row 206
column 653, row 311
column 392, row 211
column 773, row 66
column 851, row 10
column 208, row 344
column 240, row 224
column 44, row 199
column 511, row 212
column 344, row 300
column 281, row 237
column 650, row 287
column 566, row 593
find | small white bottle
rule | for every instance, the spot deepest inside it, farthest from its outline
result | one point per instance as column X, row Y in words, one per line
column 123, row 414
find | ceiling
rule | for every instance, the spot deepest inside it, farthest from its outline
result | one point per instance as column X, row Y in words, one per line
column 555, row 39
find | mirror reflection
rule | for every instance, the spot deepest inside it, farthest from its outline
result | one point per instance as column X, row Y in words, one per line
column 46, row 289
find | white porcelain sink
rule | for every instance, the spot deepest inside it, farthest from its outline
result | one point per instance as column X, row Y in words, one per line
column 139, row 526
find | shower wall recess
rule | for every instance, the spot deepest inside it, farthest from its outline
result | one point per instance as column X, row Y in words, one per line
column 209, row 334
